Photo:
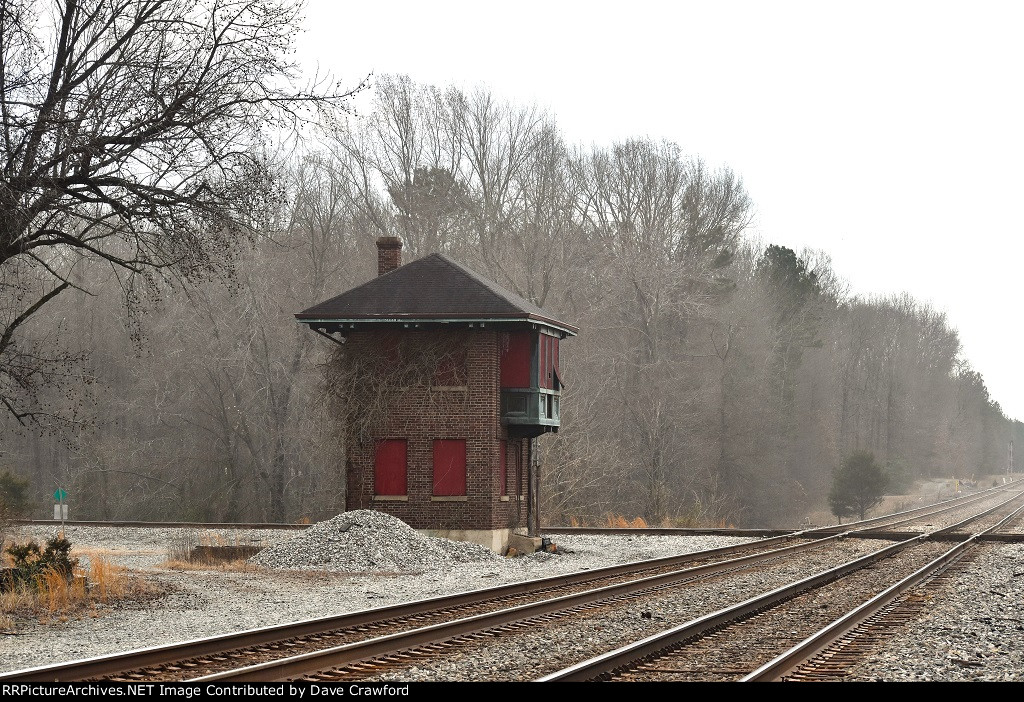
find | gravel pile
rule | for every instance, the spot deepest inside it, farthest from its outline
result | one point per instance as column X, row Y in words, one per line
column 365, row 541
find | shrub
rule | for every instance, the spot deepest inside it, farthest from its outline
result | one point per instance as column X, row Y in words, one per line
column 857, row 486
column 35, row 567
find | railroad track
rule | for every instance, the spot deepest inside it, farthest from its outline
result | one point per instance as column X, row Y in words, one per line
column 178, row 660
column 428, row 628
column 900, row 521
column 390, row 655
column 813, row 630
column 652, row 531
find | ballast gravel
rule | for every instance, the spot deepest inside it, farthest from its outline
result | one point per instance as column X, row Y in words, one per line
column 972, row 635
column 974, row 632
column 209, row 602
column 533, row 651
column 368, row 541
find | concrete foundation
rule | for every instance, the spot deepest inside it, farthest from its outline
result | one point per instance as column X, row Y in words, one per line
column 496, row 540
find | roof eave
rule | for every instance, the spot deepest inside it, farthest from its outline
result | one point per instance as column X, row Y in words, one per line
column 314, row 319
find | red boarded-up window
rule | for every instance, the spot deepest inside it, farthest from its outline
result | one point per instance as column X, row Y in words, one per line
column 542, row 361
column 449, row 467
column 516, row 358
column 389, row 467
column 551, row 361
column 548, row 361
column 503, row 469
column 558, row 373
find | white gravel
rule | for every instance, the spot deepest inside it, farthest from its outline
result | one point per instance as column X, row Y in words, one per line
column 974, row 633
column 986, row 629
column 367, row 541
column 205, row 603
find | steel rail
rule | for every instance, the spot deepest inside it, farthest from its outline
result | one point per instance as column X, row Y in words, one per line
column 291, row 667
column 101, row 666
column 860, row 525
column 805, row 651
column 286, row 668
column 954, row 527
column 552, row 529
column 919, row 512
column 161, row 525
column 622, row 658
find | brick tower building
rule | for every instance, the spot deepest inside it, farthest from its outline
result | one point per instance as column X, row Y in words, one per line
column 451, row 451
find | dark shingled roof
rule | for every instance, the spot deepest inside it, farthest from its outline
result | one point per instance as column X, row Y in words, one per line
column 429, row 289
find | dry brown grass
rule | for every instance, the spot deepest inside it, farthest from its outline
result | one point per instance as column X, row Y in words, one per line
column 618, row 521
column 108, row 581
column 57, row 597
column 54, row 592
column 240, row 565
column 17, row 600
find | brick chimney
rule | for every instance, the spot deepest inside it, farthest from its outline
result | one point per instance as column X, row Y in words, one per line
column 389, row 254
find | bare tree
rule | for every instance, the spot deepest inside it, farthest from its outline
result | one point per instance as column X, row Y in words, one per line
column 132, row 133
column 697, row 392
column 659, row 230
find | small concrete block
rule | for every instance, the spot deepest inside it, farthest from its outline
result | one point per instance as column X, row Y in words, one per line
column 524, row 544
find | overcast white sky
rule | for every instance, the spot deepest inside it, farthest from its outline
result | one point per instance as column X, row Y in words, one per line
column 888, row 134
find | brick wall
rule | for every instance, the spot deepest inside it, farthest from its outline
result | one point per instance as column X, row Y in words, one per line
column 426, row 412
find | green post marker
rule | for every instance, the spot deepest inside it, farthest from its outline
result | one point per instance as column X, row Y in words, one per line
column 60, row 510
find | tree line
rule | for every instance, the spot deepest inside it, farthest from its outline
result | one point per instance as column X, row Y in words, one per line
column 716, row 379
